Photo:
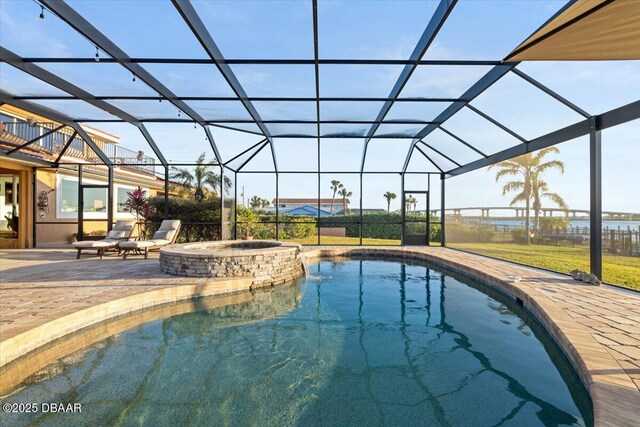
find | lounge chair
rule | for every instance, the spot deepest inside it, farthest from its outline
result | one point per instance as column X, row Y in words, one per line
column 120, row 232
column 167, row 234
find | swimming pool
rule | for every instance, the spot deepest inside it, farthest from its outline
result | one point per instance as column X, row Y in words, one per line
column 359, row 342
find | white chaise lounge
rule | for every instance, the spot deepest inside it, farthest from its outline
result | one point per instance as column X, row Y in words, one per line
column 167, row 234
column 120, row 232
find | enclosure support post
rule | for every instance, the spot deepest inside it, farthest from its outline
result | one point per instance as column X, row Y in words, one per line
column 402, row 209
column 221, row 202
column 277, row 206
column 360, row 209
column 34, row 172
column 166, row 192
column 235, row 206
column 80, row 204
column 595, row 187
column 110, row 198
column 442, row 186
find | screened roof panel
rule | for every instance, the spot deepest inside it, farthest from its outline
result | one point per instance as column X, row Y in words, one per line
column 416, row 110
column 487, row 29
column 231, row 143
column 334, row 130
column 400, row 130
column 344, row 28
column 595, row 86
column 247, row 127
column 191, row 79
column 451, row 147
column 358, row 80
column 22, row 84
column 350, row 110
column 280, row 129
column 144, row 29
column 438, row 157
column 149, row 109
column 220, row 110
column 523, row 108
column 76, row 109
column 101, row 79
column 479, row 132
column 286, row 110
column 259, row 29
column 296, row 81
column 442, row 80
column 23, row 32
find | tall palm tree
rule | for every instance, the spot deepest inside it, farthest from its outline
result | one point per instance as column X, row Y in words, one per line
column 335, row 187
column 344, row 193
column 528, row 183
column 202, row 176
column 540, row 190
column 389, row 196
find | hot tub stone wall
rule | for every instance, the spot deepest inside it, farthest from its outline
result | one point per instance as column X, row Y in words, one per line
column 266, row 266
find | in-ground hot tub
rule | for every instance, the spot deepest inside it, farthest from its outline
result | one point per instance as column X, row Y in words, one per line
column 268, row 262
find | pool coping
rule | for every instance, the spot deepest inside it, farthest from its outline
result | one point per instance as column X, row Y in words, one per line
column 614, row 395
column 23, row 343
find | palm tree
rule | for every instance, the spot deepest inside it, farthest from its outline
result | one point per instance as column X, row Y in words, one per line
column 335, row 186
column 344, row 193
column 410, row 202
column 264, row 203
column 201, row 177
column 389, row 196
column 540, row 190
column 528, row 184
column 255, row 202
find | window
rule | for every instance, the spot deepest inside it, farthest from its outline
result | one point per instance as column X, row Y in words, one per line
column 67, row 197
column 95, row 200
column 122, row 195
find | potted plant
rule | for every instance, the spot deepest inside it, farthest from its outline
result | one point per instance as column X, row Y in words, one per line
column 247, row 219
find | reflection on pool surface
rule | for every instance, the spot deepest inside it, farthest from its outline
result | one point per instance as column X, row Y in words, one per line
column 369, row 342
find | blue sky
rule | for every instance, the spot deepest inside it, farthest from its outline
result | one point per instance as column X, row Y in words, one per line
column 367, row 30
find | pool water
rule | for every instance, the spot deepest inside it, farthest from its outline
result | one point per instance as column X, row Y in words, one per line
column 359, row 342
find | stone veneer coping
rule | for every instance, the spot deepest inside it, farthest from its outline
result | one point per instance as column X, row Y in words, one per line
column 267, row 262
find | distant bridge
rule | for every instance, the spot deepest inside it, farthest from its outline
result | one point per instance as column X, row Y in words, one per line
column 520, row 211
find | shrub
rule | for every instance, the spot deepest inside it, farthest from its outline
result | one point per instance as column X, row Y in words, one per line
column 459, row 232
column 200, row 220
column 518, row 235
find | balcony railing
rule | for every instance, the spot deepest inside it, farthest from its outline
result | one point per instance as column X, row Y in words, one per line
column 56, row 141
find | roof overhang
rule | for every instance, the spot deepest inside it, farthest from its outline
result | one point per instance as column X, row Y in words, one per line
column 588, row 30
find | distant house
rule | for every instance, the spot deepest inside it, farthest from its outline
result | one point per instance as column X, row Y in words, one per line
column 288, row 204
column 307, row 210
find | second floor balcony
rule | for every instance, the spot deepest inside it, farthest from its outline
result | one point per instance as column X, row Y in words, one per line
column 18, row 132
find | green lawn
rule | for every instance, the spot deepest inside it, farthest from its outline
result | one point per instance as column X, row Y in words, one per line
column 331, row 240
column 616, row 269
